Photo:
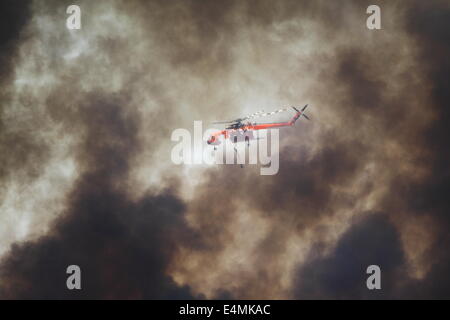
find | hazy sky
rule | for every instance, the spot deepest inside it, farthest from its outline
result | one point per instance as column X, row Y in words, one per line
column 86, row 178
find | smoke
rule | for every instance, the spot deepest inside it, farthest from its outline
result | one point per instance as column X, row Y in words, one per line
column 123, row 247
column 342, row 274
column 86, row 118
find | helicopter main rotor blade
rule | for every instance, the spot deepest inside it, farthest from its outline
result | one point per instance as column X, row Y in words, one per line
column 269, row 113
column 253, row 115
column 238, row 119
column 218, row 122
column 257, row 114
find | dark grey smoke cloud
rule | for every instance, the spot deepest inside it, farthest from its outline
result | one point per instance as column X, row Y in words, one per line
column 15, row 15
column 342, row 274
column 122, row 247
column 375, row 239
column 17, row 149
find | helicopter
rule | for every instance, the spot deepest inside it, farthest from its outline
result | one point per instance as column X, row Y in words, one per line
column 240, row 129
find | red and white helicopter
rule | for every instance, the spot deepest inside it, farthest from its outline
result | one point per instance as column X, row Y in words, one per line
column 239, row 130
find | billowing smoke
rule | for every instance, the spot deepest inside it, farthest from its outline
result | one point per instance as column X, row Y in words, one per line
column 123, row 247
column 86, row 177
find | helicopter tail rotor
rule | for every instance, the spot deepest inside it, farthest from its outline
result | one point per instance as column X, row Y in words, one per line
column 299, row 114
